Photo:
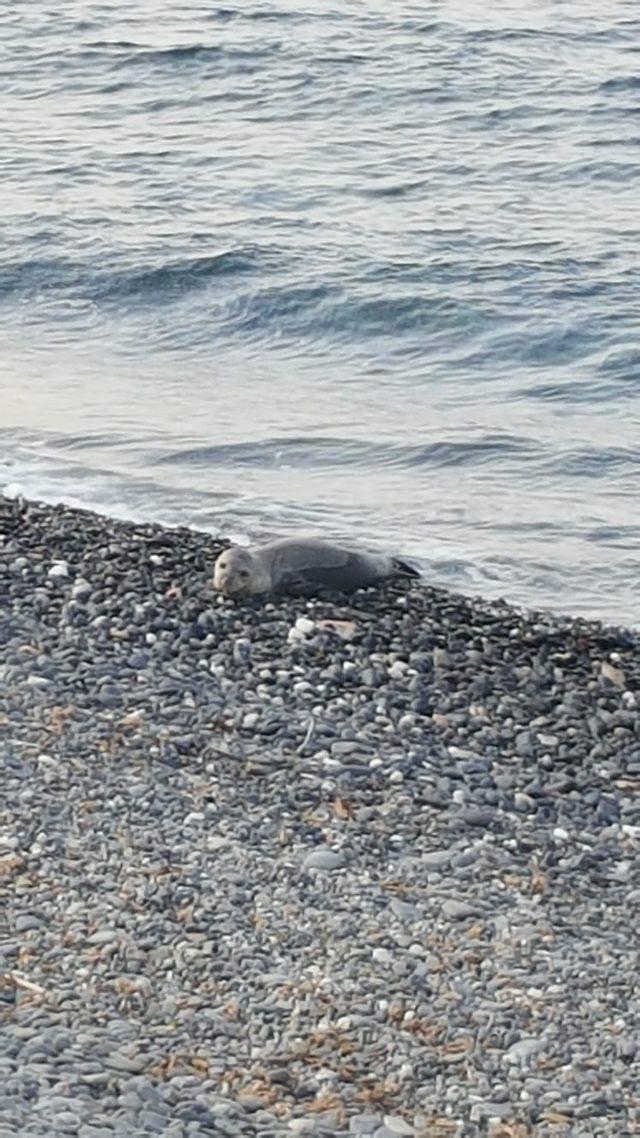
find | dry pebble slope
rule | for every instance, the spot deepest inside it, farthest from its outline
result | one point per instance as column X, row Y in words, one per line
column 264, row 881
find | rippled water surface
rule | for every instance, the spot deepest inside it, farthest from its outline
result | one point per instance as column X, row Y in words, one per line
column 370, row 269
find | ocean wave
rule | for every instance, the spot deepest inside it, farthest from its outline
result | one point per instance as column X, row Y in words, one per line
column 321, row 452
column 159, row 282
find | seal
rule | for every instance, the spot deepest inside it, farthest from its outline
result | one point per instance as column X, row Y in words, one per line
column 302, row 565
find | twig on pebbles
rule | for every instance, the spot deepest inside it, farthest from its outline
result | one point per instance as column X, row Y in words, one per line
column 309, row 733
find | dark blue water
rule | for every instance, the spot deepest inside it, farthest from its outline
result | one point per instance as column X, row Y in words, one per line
column 370, row 269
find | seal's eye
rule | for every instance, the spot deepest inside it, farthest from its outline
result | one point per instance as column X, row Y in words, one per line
column 244, row 572
column 222, row 565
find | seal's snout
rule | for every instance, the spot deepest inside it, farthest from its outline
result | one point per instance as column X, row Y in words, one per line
column 221, row 576
column 223, row 582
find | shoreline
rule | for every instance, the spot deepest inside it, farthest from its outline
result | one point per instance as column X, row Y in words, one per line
column 265, row 876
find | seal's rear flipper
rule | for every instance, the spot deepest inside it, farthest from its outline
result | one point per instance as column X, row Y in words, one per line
column 405, row 570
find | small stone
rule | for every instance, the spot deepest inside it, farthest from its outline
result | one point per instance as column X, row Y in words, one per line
column 523, row 1050
column 477, row 815
column 345, row 629
column 304, row 1124
column 25, row 922
column 59, row 569
column 344, row 747
column 548, row 740
column 436, row 859
column 250, row 1103
column 324, row 859
column 81, row 589
column 301, row 630
column 615, row 676
column 460, row 753
column 398, row 1125
column 120, row 1061
column 382, row 956
column 35, row 681
column 403, row 910
column 364, row 1124
column 96, row 1078
column 459, row 910
column 241, row 650
column 522, row 802
column 102, row 936
column 481, row 1111
column 524, row 745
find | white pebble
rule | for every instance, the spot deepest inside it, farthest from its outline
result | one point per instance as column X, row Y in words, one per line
column 81, row 588
column 460, row 753
column 396, row 776
column 398, row 669
column 560, row 834
column 59, row 569
column 326, row 1075
column 622, row 869
column 302, row 1125
column 47, row 762
column 331, row 764
column 382, row 956
column 396, row 1124
column 304, row 625
column 35, row 681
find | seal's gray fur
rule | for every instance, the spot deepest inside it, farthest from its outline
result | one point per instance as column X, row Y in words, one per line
column 300, row 565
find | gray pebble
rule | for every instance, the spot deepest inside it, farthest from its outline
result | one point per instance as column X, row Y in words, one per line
column 324, row 859
column 398, row 1125
column 459, row 910
column 364, row 1123
column 27, row 921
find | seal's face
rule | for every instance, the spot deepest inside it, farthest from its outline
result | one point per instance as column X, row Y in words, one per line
column 233, row 572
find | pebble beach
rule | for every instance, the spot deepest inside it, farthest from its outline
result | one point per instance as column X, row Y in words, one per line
column 362, row 866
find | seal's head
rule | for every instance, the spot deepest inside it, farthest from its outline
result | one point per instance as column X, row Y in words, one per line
column 234, row 572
